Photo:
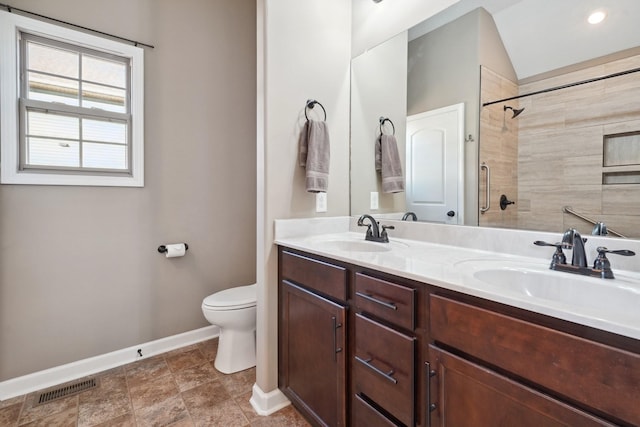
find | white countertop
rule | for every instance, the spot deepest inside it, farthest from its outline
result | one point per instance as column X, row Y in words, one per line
column 521, row 281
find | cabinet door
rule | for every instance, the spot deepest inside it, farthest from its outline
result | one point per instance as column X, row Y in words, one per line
column 466, row 394
column 591, row 374
column 312, row 354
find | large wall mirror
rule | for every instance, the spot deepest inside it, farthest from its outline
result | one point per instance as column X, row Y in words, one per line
column 566, row 156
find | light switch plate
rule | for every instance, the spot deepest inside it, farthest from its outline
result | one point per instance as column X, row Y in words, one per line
column 321, row 202
column 374, row 200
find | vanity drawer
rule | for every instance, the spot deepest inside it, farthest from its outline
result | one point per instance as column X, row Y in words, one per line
column 323, row 277
column 599, row 376
column 384, row 366
column 386, row 300
column 365, row 415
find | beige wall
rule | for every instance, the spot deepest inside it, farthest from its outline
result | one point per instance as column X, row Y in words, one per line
column 79, row 271
column 444, row 67
column 561, row 150
column 304, row 52
column 378, row 88
column 491, row 50
column 443, row 71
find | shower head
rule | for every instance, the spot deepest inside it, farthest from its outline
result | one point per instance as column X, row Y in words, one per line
column 516, row 112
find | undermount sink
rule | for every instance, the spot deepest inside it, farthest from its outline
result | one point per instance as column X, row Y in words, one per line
column 611, row 297
column 353, row 246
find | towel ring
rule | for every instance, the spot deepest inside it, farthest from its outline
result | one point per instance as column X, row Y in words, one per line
column 382, row 122
column 312, row 103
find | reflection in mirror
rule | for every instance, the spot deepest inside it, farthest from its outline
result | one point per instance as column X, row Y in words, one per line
column 378, row 89
column 572, row 156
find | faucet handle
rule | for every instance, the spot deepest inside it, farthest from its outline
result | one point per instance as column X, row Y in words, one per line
column 543, row 243
column 368, row 232
column 383, row 235
column 602, row 262
column 558, row 255
column 624, row 252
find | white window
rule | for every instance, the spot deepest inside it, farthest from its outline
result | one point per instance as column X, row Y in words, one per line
column 71, row 107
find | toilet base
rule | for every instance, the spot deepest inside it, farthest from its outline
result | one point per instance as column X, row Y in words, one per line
column 236, row 351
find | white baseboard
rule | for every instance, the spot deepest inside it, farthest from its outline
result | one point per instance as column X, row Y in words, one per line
column 81, row 368
column 268, row 403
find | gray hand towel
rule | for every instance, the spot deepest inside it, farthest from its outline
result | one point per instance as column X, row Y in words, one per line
column 388, row 163
column 314, row 150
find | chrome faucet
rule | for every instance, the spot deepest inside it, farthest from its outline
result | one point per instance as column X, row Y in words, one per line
column 411, row 215
column 373, row 231
column 600, row 229
column 571, row 239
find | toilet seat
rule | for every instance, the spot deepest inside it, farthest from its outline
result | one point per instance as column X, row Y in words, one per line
column 232, row 299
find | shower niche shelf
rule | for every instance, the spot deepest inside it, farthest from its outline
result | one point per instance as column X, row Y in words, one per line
column 621, row 158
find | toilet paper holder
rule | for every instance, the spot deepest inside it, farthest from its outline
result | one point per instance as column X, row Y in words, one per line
column 163, row 249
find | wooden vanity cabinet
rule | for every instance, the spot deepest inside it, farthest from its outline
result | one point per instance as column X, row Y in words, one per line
column 348, row 343
column 492, row 368
column 313, row 337
column 364, row 348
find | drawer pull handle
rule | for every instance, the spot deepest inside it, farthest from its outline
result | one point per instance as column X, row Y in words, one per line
column 390, row 305
column 385, row 375
column 430, row 406
column 336, row 349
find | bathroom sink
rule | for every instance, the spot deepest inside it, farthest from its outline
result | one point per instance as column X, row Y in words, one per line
column 352, row 243
column 352, row 246
column 611, row 297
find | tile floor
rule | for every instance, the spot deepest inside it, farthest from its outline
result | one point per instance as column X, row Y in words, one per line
column 179, row 388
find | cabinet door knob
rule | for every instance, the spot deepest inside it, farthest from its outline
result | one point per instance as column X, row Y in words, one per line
column 451, row 214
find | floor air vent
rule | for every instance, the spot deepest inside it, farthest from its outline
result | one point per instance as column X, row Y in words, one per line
column 67, row 390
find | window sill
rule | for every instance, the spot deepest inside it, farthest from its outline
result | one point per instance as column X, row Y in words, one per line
column 36, row 178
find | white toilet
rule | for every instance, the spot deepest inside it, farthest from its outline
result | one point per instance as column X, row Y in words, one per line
column 234, row 312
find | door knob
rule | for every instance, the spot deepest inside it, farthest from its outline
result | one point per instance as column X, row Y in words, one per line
column 451, row 214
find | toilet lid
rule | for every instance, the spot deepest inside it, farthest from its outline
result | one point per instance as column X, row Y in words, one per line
column 233, row 298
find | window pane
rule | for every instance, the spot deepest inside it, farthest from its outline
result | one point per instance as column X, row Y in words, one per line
column 52, row 125
column 99, row 70
column 105, row 98
column 100, row 130
column 106, row 156
column 49, row 152
column 52, row 60
column 52, row 89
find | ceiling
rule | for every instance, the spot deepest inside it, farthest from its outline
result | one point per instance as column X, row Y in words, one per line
column 544, row 35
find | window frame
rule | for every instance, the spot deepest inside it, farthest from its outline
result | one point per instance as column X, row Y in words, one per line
column 13, row 107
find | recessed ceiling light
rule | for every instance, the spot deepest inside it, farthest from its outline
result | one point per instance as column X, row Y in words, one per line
column 597, row 17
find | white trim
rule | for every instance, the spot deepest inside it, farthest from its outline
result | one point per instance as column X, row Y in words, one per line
column 265, row 368
column 10, row 25
column 81, row 368
column 267, row 403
